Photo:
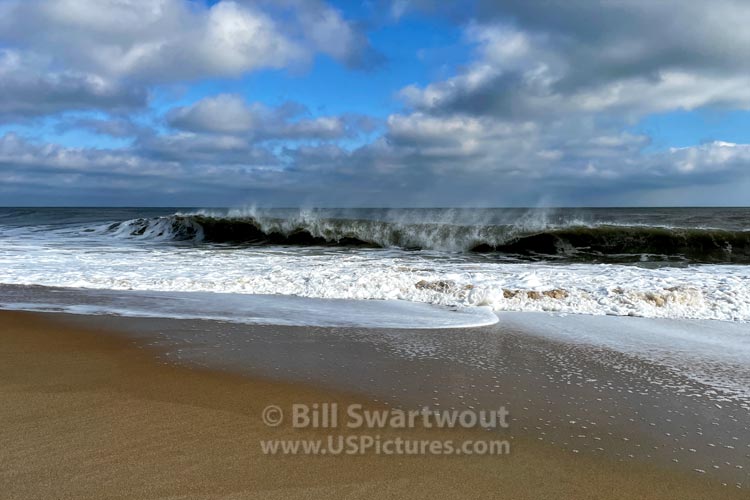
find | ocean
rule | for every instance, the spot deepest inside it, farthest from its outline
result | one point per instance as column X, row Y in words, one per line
column 679, row 263
column 666, row 287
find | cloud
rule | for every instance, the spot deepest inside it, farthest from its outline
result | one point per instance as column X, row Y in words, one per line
column 519, row 73
column 229, row 170
column 231, row 114
column 23, row 158
column 223, row 113
column 150, row 41
column 716, row 156
column 325, row 28
column 619, row 39
column 553, row 88
column 542, row 112
column 158, row 41
column 26, row 92
column 63, row 55
column 200, row 149
column 113, row 127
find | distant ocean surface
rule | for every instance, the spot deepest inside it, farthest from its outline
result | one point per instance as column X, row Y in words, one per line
column 686, row 263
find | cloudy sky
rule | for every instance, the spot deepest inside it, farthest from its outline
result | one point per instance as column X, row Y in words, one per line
column 374, row 103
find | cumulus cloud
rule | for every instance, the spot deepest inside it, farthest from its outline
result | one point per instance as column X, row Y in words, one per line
column 223, row 113
column 23, row 158
column 554, row 87
column 171, row 40
column 325, row 28
column 166, row 40
column 524, row 73
column 55, row 174
column 117, row 127
column 229, row 170
column 66, row 55
column 716, row 156
column 542, row 112
column 232, row 114
column 201, row 149
column 26, row 92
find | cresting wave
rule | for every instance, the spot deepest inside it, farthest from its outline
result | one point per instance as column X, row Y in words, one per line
column 537, row 241
column 553, row 262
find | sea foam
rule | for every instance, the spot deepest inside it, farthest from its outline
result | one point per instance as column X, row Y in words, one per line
column 719, row 292
column 308, row 255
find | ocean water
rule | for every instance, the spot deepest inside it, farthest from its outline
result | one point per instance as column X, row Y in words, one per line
column 681, row 263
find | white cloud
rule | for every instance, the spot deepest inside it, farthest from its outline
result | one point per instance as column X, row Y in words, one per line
column 543, row 110
column 81, row 54
column 452, row 137
column 714, row 157
column 192, row 164
column 523, row 74
column 550, row 99
column 327, row 30
column 27, row 91
column 226, row 113
column 231, row 114
column 171, row 40
column 163, row 40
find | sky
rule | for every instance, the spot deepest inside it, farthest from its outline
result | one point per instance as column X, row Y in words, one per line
column 374, row 103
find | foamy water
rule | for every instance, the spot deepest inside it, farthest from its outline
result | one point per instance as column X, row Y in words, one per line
column 243, row 308
column 418, row 270
column 168, row 253
column 716, row 354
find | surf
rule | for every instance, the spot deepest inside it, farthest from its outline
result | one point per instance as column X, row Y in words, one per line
column 570, row 241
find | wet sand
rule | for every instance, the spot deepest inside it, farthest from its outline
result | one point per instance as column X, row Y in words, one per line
column 581, row 398
column 91, row 409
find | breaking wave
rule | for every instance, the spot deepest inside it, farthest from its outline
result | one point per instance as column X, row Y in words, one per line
column 572, row 241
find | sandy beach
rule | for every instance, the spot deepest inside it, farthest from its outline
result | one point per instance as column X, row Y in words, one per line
column 374, row 249
column 94, row 414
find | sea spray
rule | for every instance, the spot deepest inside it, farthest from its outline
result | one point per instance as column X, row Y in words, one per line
column 527, row 238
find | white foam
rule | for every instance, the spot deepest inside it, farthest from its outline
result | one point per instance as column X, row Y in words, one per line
column 249, row 309
column 720, row 292
column 710, row 352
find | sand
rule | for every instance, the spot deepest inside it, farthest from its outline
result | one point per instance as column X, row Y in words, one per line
column 88, row 415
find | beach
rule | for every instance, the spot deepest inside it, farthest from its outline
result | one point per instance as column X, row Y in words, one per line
column 392, row 249
column 92, row 410
column 422, row 353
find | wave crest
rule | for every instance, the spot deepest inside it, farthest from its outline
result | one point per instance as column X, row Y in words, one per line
column 574, row 241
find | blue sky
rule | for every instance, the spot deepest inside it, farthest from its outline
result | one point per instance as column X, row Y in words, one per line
column 377, row 103
column 689, row 128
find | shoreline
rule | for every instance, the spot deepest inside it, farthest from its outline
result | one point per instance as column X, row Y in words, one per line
column 90, row 414
column 583, row 398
